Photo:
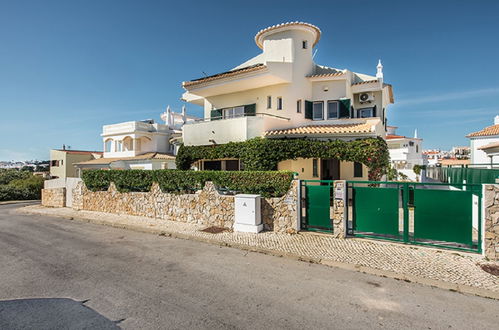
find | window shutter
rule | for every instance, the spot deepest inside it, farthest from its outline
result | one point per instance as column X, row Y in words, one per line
column 345, row 108
column 309, row 109
column 216, row 114
column 250, row 110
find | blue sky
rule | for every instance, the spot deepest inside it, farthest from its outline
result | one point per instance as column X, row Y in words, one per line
column 68, row 67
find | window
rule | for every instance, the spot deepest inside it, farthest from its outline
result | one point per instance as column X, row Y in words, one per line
column 54, row 163
column 119, row 145
column 269, row 102
column 411, row 143
column 279, row 103
column 332, row 110
column 233, row 112
column 357, row 170
column 315, row 168
column 212, row 165
column 232, row 165
column 417, row 148
column 298, row 106
column 318, row 111
column 304, row 44
column 108, row 145
column 365, row 113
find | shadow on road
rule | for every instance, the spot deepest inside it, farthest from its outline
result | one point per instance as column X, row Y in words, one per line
column 51, row 313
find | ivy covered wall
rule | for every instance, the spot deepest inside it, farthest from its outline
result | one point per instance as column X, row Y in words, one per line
column 260, row 154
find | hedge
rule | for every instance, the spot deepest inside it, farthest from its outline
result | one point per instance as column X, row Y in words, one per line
column 265, row 183
column 260, row 154
column 19, row 185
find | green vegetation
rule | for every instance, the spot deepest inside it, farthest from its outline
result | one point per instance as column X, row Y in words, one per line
column 261, row 154
column 19, row 185
column 417, row 169
column 265, row 183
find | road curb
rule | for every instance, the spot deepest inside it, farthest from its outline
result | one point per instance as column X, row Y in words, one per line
column 465, row 289
column 20, row 202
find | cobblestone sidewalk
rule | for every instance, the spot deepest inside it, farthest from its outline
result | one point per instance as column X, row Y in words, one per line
column 447, row 269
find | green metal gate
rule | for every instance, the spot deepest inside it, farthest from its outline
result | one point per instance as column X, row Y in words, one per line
column 317, row 201
column 377, row 210
column 417, row 213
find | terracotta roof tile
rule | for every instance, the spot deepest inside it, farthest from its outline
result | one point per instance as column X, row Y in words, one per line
column 365, row 82
column 487, row 131
column 321, row 75
column 226, row 74
column 489, row 146
column 392, row 136
column 79, row 152
column 146, row 156
column 323, row 129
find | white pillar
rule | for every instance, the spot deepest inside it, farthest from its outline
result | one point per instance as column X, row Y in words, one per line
column 134, row 144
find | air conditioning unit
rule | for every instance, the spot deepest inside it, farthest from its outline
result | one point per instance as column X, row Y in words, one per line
column 366, row 97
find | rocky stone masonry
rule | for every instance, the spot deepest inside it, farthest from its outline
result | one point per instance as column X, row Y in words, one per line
column 54, row 197
column 491, row 205
column 205, row 207
column 337, row 211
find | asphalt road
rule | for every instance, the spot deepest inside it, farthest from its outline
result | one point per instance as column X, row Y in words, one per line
column 57, row 273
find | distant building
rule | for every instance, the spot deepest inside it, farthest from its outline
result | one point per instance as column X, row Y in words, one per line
column 141, row 144
column 405, row 152
column 461, row 152
column 484, row 144
column 432, row 156
column 62, row 161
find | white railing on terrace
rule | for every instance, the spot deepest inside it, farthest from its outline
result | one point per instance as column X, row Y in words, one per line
column 258, row 114
column 133, row 126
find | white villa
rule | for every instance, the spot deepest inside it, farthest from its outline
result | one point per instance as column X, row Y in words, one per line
column 282, row 93
column 405, row 152
column 141, row 144
column 484, row 145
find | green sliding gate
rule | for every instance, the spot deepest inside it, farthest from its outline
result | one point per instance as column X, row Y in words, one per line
column 417, row 213
column 316, row 197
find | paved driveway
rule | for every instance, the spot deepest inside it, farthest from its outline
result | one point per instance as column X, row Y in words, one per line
column 50, row 265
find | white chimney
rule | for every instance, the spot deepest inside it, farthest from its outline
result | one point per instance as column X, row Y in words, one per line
column 184, row 115
column 379, row 72
column 496, row 120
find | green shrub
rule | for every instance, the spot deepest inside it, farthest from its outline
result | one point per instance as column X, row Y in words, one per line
column 417, row 169
column 19, row 185
column 8, row 175
column 260, row 154
column 265, row 183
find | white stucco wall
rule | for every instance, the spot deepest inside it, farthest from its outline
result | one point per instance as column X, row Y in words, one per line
column 479, row 156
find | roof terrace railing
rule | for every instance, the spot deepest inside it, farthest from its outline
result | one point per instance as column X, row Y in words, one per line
column 258, row 114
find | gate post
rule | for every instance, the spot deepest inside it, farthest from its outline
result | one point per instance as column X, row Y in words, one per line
column 405, row 202
column 491, row 221
column 339, row 209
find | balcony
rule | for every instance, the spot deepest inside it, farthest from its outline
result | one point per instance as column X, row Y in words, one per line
column 133, row 127
column 239, row 128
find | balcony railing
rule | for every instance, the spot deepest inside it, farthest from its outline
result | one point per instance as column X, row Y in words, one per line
column 258, row 114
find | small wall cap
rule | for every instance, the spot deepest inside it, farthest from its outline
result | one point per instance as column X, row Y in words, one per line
column 246, row 196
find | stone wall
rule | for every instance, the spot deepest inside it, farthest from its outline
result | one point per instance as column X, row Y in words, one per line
column 279, row 214
column 491, row 217
column 54, row 197
column 206, row 206
column 337, row 211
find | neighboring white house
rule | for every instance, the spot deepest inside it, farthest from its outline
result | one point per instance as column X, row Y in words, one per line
column 282, row 93
column 141, row 144
column 405, row 152
column 484, row 144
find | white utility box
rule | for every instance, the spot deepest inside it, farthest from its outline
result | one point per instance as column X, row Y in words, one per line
column 248, row 217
